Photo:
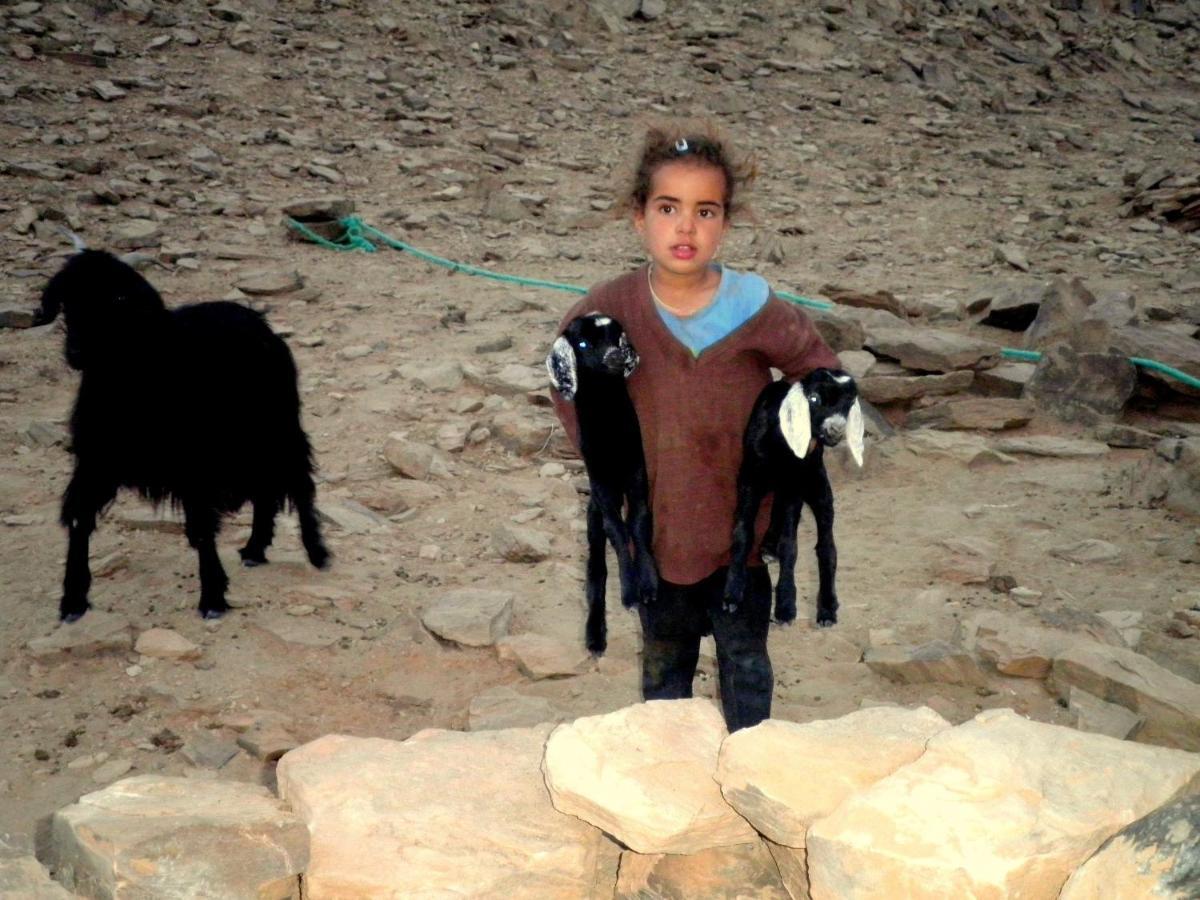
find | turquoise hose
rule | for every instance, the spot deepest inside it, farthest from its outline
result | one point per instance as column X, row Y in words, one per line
column 355, row 237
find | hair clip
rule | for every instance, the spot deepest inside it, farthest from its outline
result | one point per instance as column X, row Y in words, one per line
column 681, row 146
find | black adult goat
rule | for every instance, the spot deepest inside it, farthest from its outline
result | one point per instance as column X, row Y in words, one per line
column 588, row 364
column 196, row 405
column 783, row 451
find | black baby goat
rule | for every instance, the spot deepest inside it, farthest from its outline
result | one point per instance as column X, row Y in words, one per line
column 782, row 451
column 197, row 406
column 588, row 365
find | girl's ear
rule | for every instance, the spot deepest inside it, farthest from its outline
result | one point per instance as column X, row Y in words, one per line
column 639, row 220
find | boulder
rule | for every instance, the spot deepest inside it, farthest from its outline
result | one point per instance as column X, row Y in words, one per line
column 1093, row 714
column 1006, row 380
column 444, row 813
column 838, row 330
column 1064, row 305
column 161, row 836
column 644, row 775
column 1009, row 306
column 890, row 388
column 997, row 807
column 1081, row 387
column 783, row 776
column 1156, row 856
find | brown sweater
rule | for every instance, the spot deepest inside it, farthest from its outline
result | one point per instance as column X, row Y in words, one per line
column 693, row 412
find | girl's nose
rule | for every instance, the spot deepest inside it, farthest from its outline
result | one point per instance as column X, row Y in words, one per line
column 685, row 224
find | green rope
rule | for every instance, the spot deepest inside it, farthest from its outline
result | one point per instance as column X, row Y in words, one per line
column 355, row 238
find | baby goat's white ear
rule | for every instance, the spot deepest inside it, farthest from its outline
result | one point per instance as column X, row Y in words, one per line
column 795, row 421
column 561, row 366
column 854, row 432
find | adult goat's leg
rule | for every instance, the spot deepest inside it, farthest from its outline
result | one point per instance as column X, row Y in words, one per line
column 262, row 532
column 641, row 530
column 596, row 632
column 820, row 499
column 86, row 495
column 201, row 526
column 750, row 493
column 303, row 494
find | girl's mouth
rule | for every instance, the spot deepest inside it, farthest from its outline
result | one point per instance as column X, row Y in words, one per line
column 683, row 251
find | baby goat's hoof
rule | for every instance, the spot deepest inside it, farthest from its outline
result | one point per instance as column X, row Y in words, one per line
column 250, row 560
column 73, row 616
column 827, row 621
column 213, row 612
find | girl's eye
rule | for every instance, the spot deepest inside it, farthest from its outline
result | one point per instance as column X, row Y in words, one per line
column 666, row 208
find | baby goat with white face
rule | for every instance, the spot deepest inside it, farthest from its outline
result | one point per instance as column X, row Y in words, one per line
column 588, row 366
column 782, row 451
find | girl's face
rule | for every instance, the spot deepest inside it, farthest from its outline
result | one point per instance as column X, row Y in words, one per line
column 683, row 221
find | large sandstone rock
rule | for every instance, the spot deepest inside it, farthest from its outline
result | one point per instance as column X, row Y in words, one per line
column 934, row 661
column 443, row 814
column 720, row 873
column 782, row 776
column 997, row 807
column 1169, row 703
column 644, row 774
column 175, row 838
column 1156, row 856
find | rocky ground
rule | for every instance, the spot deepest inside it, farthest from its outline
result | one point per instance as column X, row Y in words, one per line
column 942, row 152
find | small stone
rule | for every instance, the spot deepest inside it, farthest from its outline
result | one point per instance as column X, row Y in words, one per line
column 111, row 770
column 163, row 643
column 520, row 545
column 137, row 233
column 107, row 91
column 408, row 458
column 540, row 656
column 473, row 617
column 270, row 282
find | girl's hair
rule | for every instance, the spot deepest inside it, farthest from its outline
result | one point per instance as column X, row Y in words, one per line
column 701, row 143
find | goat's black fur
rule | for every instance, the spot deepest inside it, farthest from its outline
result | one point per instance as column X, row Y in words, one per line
column 592, row 373
column 769, row 464
column 197, row 406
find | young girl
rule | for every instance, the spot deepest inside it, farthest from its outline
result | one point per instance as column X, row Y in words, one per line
column 707, row 337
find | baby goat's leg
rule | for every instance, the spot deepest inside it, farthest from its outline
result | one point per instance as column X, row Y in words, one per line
column 750, row 493
column 262, row 532
column 641, row 530
column 596, row 632
column 820, row 499
column 85, row 496
column 610, row 502
column 201, row 525
column 785, row 518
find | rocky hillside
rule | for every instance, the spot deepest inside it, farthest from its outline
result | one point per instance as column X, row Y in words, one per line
column 957, row 179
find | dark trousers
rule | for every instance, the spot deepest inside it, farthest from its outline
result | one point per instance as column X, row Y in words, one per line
column 682, row 614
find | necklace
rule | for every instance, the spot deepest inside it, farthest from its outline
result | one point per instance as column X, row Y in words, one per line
column 673, row 310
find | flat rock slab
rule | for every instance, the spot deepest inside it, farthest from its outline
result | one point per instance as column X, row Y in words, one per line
column 1169, row 703
column 1047, row 445
column 644, row 775
column 997, row 807
column 890, row 388
column 504, row 707
column 158, row 836
column 974, row 414
column 933, row 350
column 163, row 643
column 541, row 656
column 442, row 814
column 473, row 617
column 940, row 662
column 1087, row 551
column 270, row 281
column 96, row 633
column 783, row 776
